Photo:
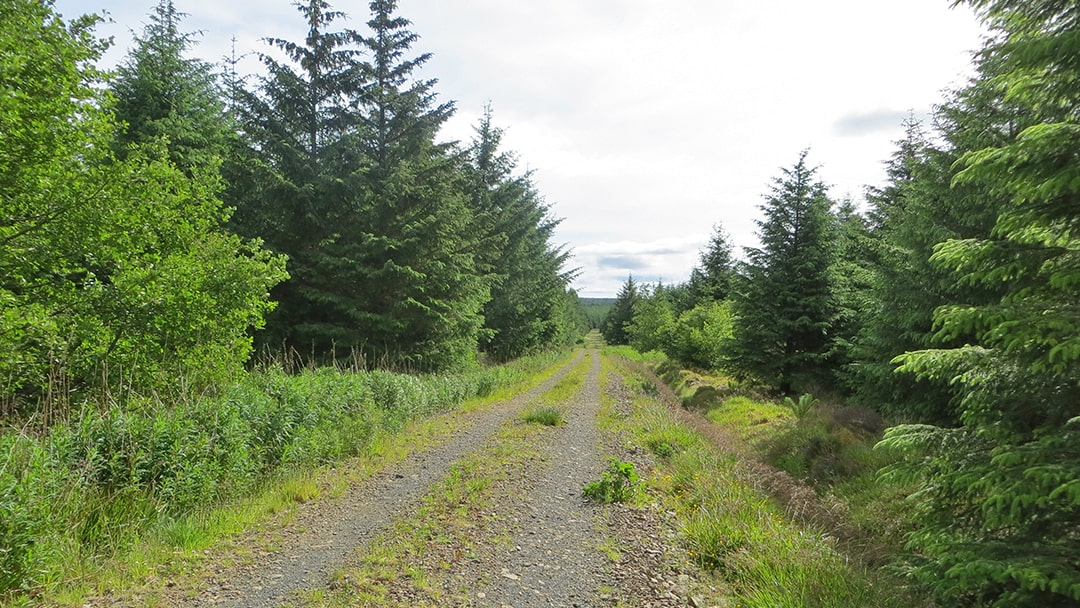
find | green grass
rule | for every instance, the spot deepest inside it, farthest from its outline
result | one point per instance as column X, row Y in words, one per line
column 457, row 520
column 752, row 420
column 733, row 531
column 546, row 415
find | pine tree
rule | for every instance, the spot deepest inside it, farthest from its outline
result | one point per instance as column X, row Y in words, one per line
column 919, row 208
column 713, row 275
column 526, row 312
column 288, row 182
column 407, row 260
column 852, row 278
column 621, row 314
column 784, row 307
column 160, row 94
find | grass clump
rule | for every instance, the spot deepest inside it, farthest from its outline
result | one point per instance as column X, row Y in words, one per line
column 545, row 415
column 828, row 445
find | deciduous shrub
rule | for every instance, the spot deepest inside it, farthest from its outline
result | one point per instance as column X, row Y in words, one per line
column 619, row 483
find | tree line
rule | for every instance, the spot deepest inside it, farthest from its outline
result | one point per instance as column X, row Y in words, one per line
column 949, row 305
column 160, row 222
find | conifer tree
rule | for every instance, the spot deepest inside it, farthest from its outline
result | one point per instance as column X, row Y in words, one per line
column 413, row 282
column 920, row 207
column 514, row 226
column 713, row 275
column 999, row 501
column 784, row 307
column 288, row 183
column 161, row 94
column 621, row 314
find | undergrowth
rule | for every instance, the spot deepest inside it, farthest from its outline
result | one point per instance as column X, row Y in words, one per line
column 546, row 415
column 619, row 483
column 729, row 528
column 122, row 472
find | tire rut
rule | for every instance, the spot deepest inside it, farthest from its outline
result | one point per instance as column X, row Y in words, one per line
column 555, row 560
column 325, row 534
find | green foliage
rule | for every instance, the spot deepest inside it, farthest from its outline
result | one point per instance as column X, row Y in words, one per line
column 159, row 95
column 919, row 208
column 115, row 273
column 115, row 472
column 802, row 406
column 702, row 337
column 998, row 496
column 784, row 306
column 619, row 483
column 530, row 307
column 713, row 277
column 344, row 175
column 652, row 322
column 698, row 337
column 596, row 309
column 621, row 314
column 828, row 445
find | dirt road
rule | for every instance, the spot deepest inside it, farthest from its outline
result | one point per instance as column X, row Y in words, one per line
column 491, row 514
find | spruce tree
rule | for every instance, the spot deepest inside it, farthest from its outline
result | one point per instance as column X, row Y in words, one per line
column 919, row 207
column 161, row 94
column 407, row 262
column 526, row 312
column 784, row 307
column 620, row 316
column 288, row 182
column 712, row 277
column 999, row 501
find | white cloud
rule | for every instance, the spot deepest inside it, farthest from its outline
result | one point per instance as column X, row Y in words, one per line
column 646, row 121
column 667, row 259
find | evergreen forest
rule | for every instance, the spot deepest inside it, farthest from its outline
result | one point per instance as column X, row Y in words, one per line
column 190, row 257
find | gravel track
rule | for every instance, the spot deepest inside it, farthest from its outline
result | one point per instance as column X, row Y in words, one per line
column 555, row 560
column 325, row 533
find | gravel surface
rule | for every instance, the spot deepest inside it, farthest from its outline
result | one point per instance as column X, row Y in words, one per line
column 530, row 539
column 555, row 559
column 326, row 532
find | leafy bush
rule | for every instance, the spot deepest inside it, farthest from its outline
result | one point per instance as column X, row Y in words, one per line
column 619, row 483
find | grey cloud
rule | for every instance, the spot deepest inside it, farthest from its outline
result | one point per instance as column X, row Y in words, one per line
column 866, row 123
column 622, row 262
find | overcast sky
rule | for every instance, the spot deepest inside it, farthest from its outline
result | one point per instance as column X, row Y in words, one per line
column 647, row 122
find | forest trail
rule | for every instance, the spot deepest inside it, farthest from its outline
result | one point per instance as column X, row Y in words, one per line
column 493, row 515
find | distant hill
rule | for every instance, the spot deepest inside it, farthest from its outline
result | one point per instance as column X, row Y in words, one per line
column 596, row 309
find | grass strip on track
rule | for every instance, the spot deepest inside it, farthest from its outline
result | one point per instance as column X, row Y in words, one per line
column 424, row 559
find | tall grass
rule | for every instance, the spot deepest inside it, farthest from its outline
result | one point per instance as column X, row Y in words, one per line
column 88, row 489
